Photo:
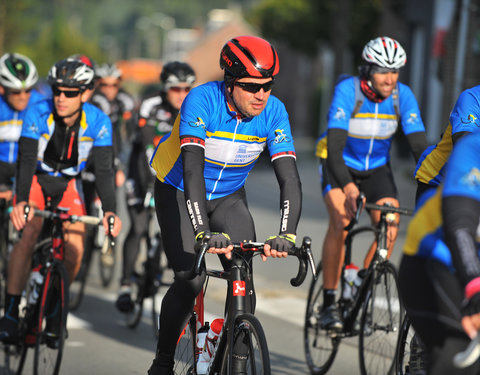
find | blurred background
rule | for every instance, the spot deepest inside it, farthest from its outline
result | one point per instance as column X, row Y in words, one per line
column 316, row 40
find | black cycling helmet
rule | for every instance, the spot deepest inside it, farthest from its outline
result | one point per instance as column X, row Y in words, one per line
column 17, row 71
column 249, row 56
column 71, row 73
column 176, row 72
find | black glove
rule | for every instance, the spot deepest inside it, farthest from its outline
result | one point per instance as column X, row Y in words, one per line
column 283, row 242
column 217, row 240
column 471, row 306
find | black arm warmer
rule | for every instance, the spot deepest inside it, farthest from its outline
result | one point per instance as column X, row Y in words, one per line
column 104, row 176
column 457, row 136
column 418, row 144
column 337, row 138
column 26, row 164
column 290, row 194
column 460, row 222
column 193, row 158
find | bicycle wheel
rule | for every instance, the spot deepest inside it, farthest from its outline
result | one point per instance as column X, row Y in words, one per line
column 320, row 347
column 250, row 349
column 107, row 261
column 381, row 320
column 138, row 296
column 410, row 357
column 160, row 281
column 52, row 319
column 12, row 358
column 185, row 352
column 77, row 287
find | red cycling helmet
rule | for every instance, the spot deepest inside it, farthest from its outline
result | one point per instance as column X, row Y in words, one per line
column 249, row 56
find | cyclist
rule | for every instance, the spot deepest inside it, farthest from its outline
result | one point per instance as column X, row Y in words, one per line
column 18, row 76
column 156, row 117
column 201, row 169
column 356, row 156
column 439, row 274
column 57, row 135
column 464, row 119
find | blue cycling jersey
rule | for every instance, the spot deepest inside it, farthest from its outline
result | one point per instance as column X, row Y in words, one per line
column 95, row 130
column 11, row 126
column 232, row 145
column 465, row 117
column 425, row 235
column 371, row 129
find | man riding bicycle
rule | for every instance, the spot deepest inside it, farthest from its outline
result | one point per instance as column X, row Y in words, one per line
column 201, row 170
column 363, row 118
column 439, row 275
column 157, row 115
column 18, row 76
column 57, row 136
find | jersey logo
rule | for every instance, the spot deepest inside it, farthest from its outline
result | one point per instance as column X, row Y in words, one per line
column 103, row 132
column 198, row 124
column 413, row 118
column 340, row 114
column 280, row 137
column 472, row 179
column 239, row 288
column 471, row 119
column 33, row 129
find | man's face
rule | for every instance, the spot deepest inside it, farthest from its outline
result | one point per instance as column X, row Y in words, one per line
column 177, row 93
column 109, row 87
column 247, row 101
column 384, row 83
column 67, row 100
column 17, row 99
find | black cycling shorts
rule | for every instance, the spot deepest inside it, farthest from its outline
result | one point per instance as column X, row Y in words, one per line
column 432, row 297
column 376, row 183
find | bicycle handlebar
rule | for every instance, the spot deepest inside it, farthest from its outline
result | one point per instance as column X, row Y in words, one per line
column 372, row 206
column 469, row 355
column 303, row 254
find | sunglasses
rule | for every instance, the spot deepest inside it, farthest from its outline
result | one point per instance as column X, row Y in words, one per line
column 178, row 89
column 115, row 85
column 255, row 87
column 18, row 92
column 68, row 94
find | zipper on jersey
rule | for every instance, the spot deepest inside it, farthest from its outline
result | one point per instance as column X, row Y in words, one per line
column 372, row 139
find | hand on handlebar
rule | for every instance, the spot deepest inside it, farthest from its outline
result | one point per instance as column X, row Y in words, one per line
column 18, row 215
column 351, row 195
column 117, row 224
column 278, row 246
column 219, row 243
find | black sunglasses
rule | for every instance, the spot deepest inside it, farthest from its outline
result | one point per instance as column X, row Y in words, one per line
column 255, row 87
column 69, row 94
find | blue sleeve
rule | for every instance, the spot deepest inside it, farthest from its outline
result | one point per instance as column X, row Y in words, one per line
column 342, row 104
column 103, row 135
column 33, row 126
column 463, row 169
column 409, row 112
column 194, row 114
column 279, row 137
column 465, row 115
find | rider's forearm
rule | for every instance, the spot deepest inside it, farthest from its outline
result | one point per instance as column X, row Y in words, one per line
column 193, row 158
column 104, row 176
column 418, row 143
column 26, row 163
column 337, row 139
column 290, row 194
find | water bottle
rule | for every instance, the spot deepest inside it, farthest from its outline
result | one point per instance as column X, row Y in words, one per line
column 202, row 364
column 209, row 346
column 350, row 275
column 36, row 280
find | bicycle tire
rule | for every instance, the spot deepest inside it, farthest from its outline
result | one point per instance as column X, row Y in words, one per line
column 381, row 320
column 403, row 348
column 77, row 287
column 53, row 302
column 12, row 358
column 320, row 348
column 133, row 317
column 248, row 341
column 185, row 352
column 159, row 283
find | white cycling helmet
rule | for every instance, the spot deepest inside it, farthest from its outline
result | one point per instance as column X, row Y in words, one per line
column 17, row 71
column 384, row 52
column 108, row 70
